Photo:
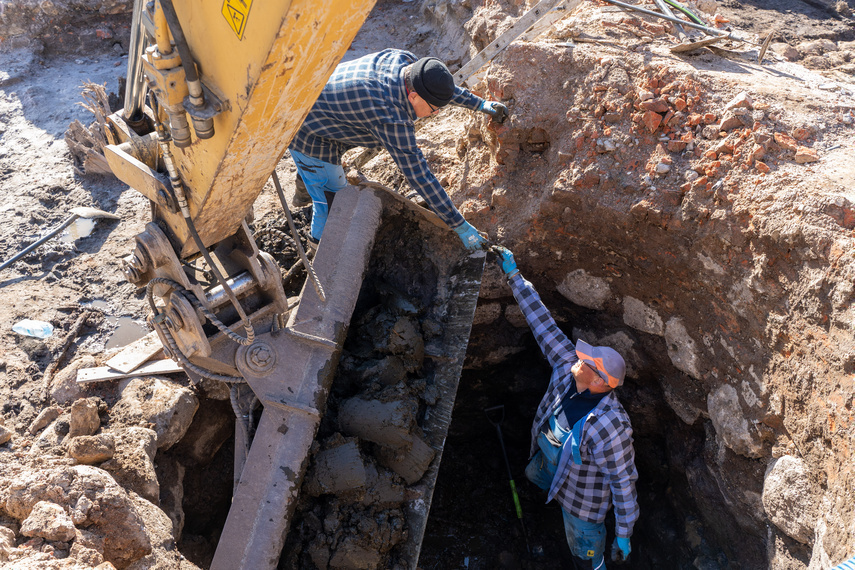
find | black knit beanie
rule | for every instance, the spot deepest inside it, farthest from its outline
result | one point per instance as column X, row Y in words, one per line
column 432, row 81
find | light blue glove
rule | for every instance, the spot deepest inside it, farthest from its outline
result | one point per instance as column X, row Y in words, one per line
column 621, row 549
column 495, row 109
column 470, row 237
column 509, row 264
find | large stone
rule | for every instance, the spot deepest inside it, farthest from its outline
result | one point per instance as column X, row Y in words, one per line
column 84, row 418
column 585, row 290
column 49, row 521
column 682, row 349
column 789, row 498
column 641, row 317
column 94, row 498
column 730, row 423
column 132, row 465
column 91, row 449
column 5, row 435
column 64, row 387
column 165, row 404
column 45, row 417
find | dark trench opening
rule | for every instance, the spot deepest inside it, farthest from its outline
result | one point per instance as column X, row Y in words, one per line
column 472, row 522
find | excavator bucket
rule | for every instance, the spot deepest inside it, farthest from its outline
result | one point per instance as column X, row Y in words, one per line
column 374, row 242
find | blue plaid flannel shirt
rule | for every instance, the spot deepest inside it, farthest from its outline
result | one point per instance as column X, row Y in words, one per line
column 607, row 472
column 365, row 104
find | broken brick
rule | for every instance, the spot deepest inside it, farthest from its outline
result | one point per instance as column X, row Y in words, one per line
column 762, row 167
column 651, row 120
column 709, row 118
column 657, row 105
column 742, row 100
column 800, row 133
column 805, row 154
column 785, row 141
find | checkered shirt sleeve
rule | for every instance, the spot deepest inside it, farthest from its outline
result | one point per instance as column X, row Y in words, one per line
column 365, row 104
column 608, row 471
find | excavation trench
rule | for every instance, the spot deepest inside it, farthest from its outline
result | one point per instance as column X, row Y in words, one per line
column 374, row 454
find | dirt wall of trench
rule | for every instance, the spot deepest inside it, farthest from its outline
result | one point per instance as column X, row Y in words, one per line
column 699, row 218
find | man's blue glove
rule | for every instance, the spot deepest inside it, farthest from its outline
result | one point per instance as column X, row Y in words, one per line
column 509, row 264
column 621, row 549
column 495, row 109
column 470, row 237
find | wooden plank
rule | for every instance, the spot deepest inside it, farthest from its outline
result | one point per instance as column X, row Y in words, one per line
column 136, row 353
column 101, row 373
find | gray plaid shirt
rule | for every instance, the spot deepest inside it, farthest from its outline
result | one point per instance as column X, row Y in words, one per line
column 365, row 104
column 607, row 472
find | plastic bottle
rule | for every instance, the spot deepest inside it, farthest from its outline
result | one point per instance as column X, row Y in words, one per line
column 38, row 329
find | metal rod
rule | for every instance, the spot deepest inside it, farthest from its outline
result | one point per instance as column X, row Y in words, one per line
column 707, row 29
column 135, row 86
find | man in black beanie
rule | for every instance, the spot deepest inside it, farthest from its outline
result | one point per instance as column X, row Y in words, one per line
column 374, row 101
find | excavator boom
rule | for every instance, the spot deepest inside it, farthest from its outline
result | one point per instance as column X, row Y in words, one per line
column 215, row 93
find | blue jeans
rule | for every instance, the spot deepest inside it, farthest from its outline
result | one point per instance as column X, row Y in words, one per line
column 322, row 179
column 587, row 541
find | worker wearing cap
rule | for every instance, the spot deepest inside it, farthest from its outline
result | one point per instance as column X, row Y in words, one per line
column 374, row 101
column 581, row 450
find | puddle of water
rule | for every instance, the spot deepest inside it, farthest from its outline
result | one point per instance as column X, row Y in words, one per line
column 81, row 228
column 127, row 330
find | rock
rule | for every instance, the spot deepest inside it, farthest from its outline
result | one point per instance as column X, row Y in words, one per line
column 386, row 423
column 515, row 317
column 842, row 8
column 582, row 289
column 84, row 418
column 337, row 471
column 730, row 422
column 662, row 168
column 786, row 142
column 805, row 155
column 708, row 6
column 817, row 47
column 641, row 317
column 49, row 521
column 741, row 100
column 682, row 349
column 5, row 435
column 91, row 449
column 410, row 462
column 657, row 105
column 45, row 417
column 64, row 387
column 789, row 498
column 645, row 95
column 132, row 464
column 111, row 520
column 730, row 121
column 651, row 120
column 351, row 554
column 166, row 404
column 786, row 51
column 486, row 313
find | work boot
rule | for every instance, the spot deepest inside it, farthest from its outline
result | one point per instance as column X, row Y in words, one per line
column 301, row 195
